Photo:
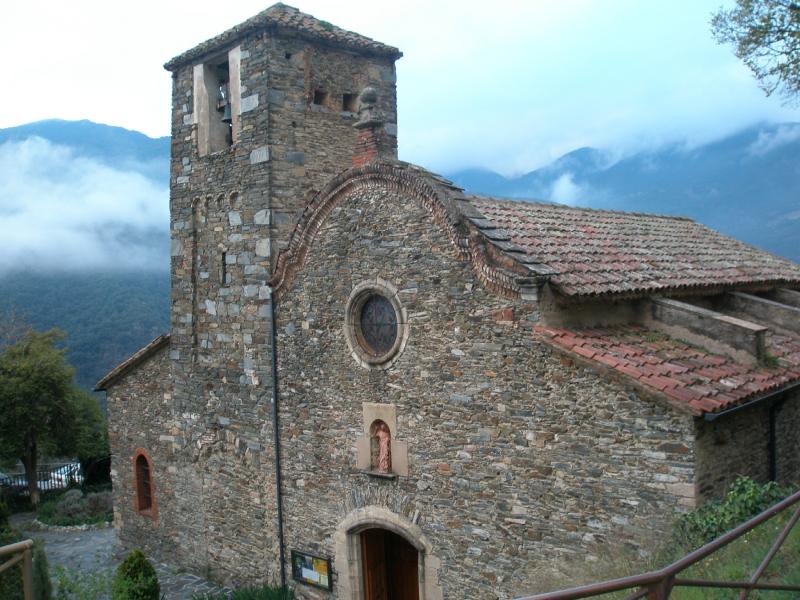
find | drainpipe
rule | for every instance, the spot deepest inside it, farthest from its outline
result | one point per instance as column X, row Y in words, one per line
column 276, row 427
column 277, row 442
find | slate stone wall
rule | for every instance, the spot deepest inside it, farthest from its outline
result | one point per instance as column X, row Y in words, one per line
column 138, row 413
column 738, row 445
column 516, row 456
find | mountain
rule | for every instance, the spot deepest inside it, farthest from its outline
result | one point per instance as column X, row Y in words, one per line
column 84, row 235
column 113, row 146
column 746, row 185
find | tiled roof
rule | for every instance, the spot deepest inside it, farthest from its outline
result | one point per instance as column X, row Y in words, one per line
column 288, row 17
column 687, row 376
column 131, row 362
column 611, row 253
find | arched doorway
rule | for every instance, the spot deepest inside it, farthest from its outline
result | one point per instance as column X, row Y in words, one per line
column 390, row 566
column 349, row 555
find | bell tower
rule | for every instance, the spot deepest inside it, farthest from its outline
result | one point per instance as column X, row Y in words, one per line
column 262, row 117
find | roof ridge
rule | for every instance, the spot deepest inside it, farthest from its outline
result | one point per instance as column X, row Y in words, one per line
column 289, row 17
column 559, row 206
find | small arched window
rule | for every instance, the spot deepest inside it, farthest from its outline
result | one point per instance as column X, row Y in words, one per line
column 144, row 496
column 380, row 447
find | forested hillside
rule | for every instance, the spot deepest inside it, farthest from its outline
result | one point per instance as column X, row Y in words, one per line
column 107, row 316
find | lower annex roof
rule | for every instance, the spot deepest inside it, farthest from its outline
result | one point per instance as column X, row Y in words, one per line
column 689, row 377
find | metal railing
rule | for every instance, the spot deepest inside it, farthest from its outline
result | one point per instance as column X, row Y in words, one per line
column 658, row 585
column 57, row 476
column 20, row 552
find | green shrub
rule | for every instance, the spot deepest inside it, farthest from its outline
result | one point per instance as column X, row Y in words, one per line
column 42, row 587
column 265, row 592
column 211, row 596
column 73, row 508
column 11, row 580
column 135, row 579
column 82, row 585
column 744, row 500
column 256, row 592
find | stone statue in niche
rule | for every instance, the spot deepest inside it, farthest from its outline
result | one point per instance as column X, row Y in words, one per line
column 380, row 447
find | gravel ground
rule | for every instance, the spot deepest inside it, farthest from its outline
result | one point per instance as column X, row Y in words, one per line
column 97, row 550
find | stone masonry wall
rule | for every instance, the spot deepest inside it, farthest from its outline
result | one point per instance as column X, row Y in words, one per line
column 138, row 409
column 516, row 456
column 738, row 445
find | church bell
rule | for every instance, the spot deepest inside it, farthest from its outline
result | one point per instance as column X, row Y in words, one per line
column 224, row 103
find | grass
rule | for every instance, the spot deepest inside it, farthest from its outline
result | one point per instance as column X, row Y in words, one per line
column 739, row 560
column 736, row 562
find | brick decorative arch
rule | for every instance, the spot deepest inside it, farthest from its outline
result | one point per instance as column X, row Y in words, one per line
column 152, row 510
column 432, row 192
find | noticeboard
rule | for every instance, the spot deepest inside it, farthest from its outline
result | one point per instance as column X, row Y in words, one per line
column 311, row 570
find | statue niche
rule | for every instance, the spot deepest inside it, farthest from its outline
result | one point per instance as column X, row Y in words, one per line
column 380, row 439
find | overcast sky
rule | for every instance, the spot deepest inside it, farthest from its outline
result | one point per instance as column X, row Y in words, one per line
column 505, row 85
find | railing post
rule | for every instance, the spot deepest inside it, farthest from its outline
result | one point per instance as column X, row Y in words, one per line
column 661, row 590
column 27, row 574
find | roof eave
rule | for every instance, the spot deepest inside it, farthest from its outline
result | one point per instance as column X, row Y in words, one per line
column 259, row 23
column 131, row 362
column 670, row 291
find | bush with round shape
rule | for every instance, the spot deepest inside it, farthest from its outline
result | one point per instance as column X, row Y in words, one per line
column 135, row 579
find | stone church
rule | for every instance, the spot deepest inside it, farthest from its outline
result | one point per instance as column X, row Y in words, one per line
column 378, row 386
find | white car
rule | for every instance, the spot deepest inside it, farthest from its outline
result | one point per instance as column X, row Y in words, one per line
column 63, row 476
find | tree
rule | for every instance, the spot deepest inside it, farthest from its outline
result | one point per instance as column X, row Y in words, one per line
column 13, row 327
column 766, row 37
column 36, row 412
column 91, row 437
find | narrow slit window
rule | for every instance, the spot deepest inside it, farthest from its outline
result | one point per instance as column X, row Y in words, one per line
column 320, row 97
column 349, row 103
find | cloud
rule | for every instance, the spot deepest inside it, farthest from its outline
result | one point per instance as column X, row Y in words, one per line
column 60, row 211
column 566, row 191
column 770, row 140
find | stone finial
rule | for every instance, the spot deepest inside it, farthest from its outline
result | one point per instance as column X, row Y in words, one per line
column 367, row 109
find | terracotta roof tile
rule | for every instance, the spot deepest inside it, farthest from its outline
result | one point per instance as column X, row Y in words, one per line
column 288, row 17
column 602, row 252
column 699, row 381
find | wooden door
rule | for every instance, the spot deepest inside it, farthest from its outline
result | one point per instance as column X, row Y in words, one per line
column 402, row 568
column 390, row 566
column 373, row 561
